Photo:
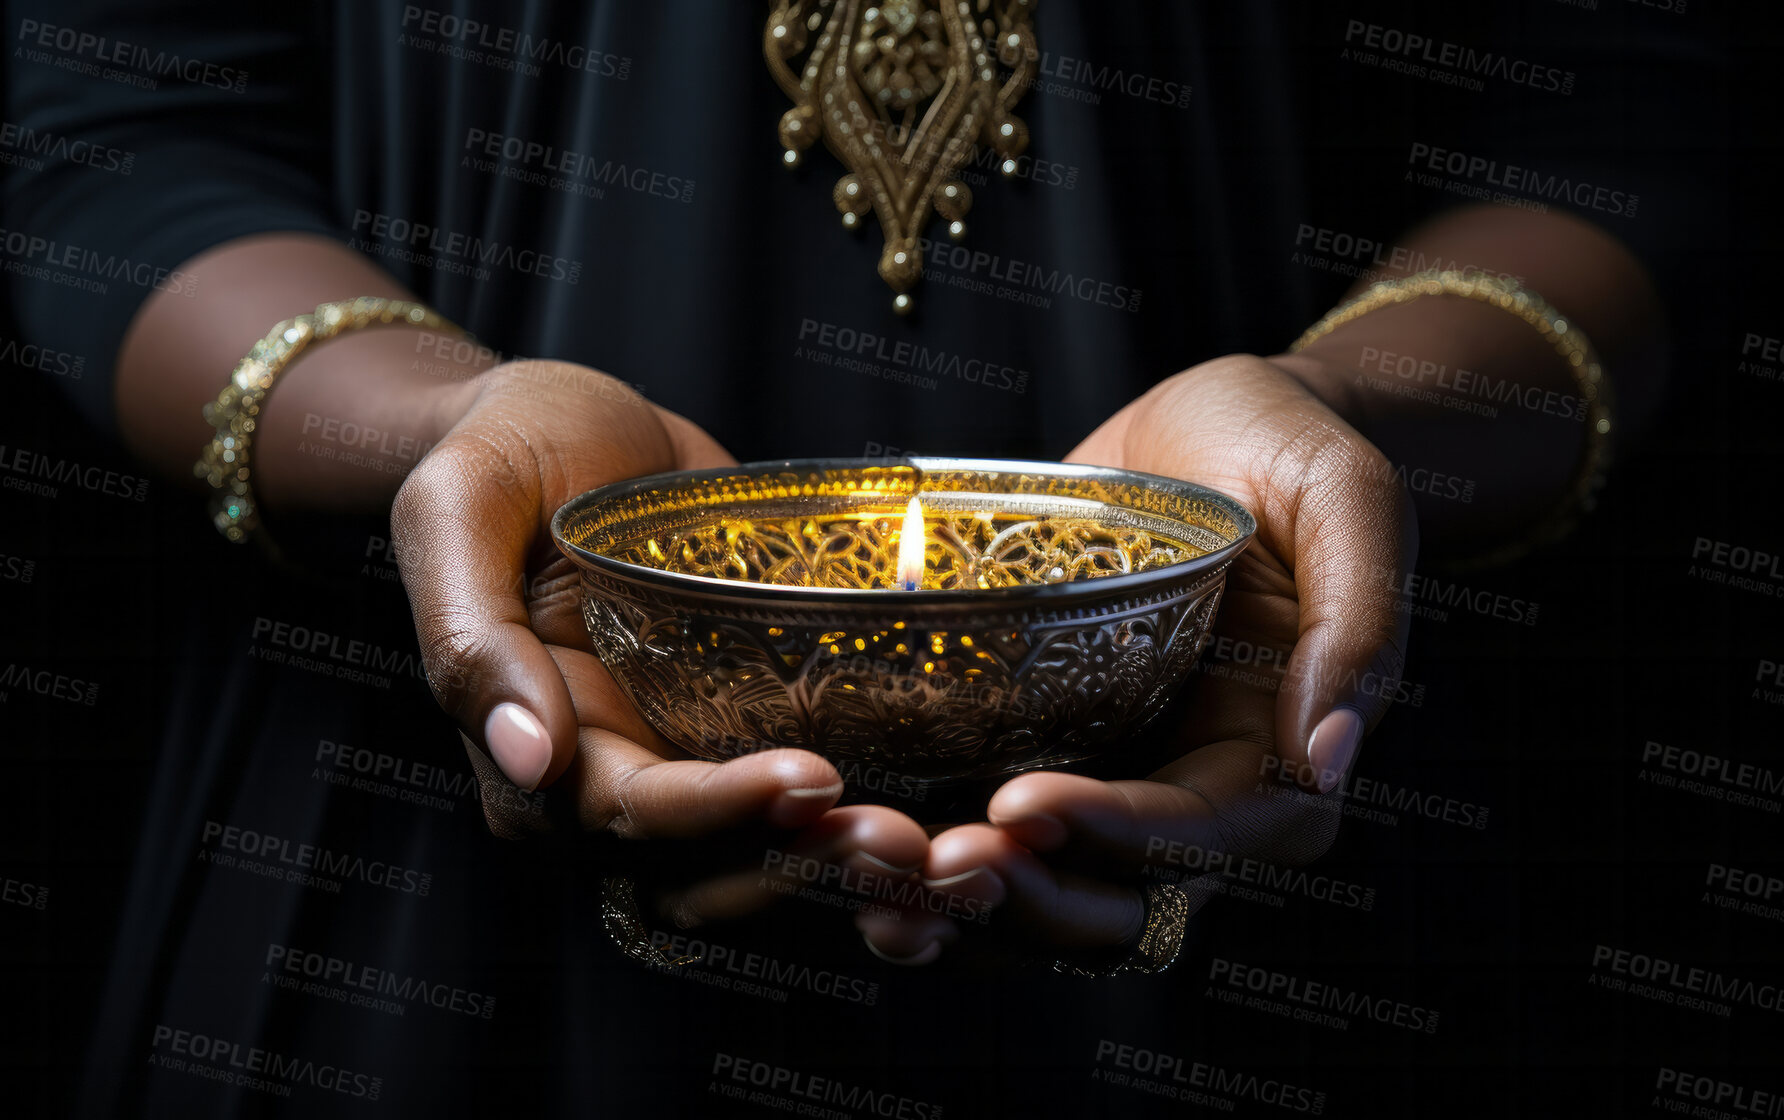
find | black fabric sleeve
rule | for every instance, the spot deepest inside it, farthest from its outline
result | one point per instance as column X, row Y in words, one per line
column 154, row 130
column 1618, row 115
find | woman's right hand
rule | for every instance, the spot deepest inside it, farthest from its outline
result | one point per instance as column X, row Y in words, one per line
column 502, row 635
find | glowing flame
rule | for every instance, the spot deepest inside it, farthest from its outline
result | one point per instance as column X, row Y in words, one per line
column 910, row 548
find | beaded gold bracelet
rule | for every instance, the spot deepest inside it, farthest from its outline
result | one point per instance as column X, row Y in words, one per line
column 1569, row 341
column 225, row 461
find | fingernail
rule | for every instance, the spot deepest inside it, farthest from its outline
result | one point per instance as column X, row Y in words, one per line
column 1333, row 746
column 518, row 743
column 884, row 865
column 987, row 885
column 922, row 956
column 1043, row 831
column 794, row 807
column 794, row 770
column 954, row 880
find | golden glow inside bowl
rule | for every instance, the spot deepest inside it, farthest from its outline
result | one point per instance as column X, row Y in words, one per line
column 761, row 606
column 840, row 527
column 991, row 548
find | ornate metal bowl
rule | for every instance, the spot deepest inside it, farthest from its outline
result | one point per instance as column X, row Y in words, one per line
column 757, row 606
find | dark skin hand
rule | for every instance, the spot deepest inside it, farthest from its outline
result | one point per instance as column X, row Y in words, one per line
column 1061, row 856
column 1059, row 853
column 498, row 613
column 508, row 657
column 494, row 603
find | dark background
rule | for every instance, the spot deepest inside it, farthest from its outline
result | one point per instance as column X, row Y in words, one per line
column 1544, row 725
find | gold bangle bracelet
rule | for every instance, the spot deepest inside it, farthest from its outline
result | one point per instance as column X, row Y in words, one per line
column 225, row 461
column 1569, row 341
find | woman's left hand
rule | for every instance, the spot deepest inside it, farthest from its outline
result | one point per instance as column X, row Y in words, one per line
column 1062, row 856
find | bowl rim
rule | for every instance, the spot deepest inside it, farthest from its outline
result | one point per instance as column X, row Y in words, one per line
column 787, row 594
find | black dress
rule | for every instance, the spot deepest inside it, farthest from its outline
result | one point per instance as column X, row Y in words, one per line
column 601, row 182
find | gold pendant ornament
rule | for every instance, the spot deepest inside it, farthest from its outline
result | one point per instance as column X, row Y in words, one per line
column 902, row 92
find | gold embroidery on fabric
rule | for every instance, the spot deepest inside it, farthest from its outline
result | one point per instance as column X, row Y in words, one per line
column 903, row 92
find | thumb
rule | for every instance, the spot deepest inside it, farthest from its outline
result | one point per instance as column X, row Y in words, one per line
column 462, row 525
column 1353, row 539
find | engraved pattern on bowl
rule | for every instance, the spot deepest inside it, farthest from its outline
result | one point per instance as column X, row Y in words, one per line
column 935, row 684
